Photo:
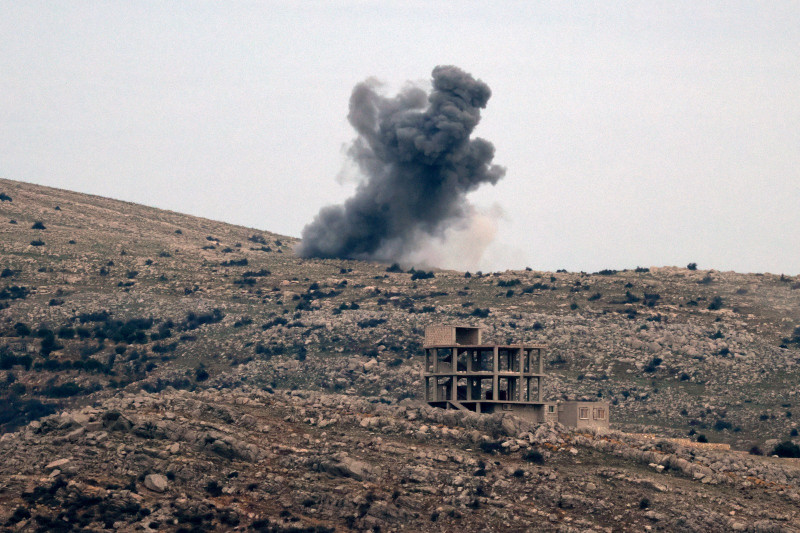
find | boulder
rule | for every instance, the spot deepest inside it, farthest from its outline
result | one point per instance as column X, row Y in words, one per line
column 156, row 482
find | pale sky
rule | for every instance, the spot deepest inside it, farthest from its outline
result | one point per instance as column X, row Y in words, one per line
column 633, row 133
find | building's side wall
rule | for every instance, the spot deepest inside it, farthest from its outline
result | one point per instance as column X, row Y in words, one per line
column 568, row 414
column 551, row 412
column 531, row 413
column 440, row 335
column 597, row 414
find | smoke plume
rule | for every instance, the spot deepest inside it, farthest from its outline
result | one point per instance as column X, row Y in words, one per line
column 417, row 163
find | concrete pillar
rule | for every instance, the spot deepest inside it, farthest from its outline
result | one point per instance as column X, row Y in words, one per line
column 495, row 370
column 435, row 352
column 521, row 372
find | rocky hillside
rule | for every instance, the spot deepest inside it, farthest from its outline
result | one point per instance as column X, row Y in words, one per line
column 104, row 304
column 265, row 460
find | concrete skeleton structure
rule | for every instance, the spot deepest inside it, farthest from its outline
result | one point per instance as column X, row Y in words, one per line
column 461, row 372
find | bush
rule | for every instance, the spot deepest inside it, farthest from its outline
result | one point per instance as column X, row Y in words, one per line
column 65, row 390
column 17, row 412
column 66, row 332
column 492, row 447
column 22, row 329
column 14, row 292
column 200, row 374
column 786, row 449
column 235, row 262
column 214, row 489
column 9, row 360
column 755, row 450
column 394, row 268
column 371, row 323
column 716, row 304
column 421, row 274
column 5, row 198
column 37, row 242
column 652, row 366
column 692, row 266
column 721, row 425
column 702, row 438
column 534, row 457
column 480, row 313
column 38, row 225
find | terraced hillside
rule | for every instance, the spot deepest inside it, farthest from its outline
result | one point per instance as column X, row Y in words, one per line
column 137, row 342
column 100, row 295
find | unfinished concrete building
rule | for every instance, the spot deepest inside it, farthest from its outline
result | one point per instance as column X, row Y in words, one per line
column 462, row 372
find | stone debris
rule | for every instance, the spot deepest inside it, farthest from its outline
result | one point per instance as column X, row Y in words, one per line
column 455, row 469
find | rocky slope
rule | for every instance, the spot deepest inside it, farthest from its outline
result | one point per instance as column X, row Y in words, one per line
column 104, row 304
column 308, row 461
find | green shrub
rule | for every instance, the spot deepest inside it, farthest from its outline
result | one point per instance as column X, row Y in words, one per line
column 534, row 456
column 421, row 274
column 65, row 390
column 786, row 449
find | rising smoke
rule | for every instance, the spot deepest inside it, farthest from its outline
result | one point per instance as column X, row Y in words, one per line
column 418, row 164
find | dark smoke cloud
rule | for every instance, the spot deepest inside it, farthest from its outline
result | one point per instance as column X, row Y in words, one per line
column 418, row 162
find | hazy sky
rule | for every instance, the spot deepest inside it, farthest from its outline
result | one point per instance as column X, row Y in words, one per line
column 633, row 133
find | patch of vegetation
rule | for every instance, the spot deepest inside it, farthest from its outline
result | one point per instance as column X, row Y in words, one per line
column 65, row 390
column 607, row 272
column 371, row 323
column 786, row 449
column 194, row 320
column 534, row 456
column 421, row 274
column 14, row 292
column 235, row 262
